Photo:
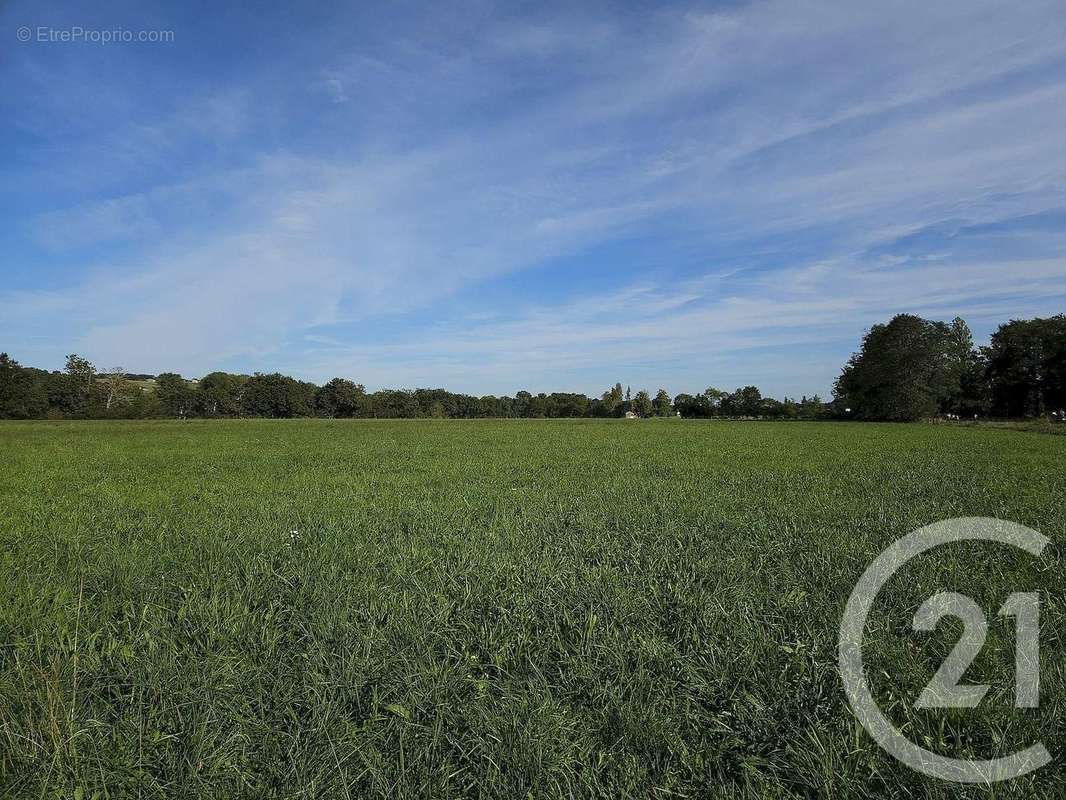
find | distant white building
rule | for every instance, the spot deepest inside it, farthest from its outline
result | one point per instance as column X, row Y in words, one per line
column 632, row 415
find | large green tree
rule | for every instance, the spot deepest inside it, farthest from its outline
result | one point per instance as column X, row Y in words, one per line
column 744, row 402
column 705, row 404
column 277, row 395
column 907, row 369
column 1027, row 367
column 23, row 391
column 663, row 406
column 81, row 369
column 79, row 396
column 612, row 401
column 641, row 404
column 341, row 398
column 221, row 394
column 176, row 397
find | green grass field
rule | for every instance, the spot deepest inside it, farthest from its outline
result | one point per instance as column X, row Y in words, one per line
column 501, row 609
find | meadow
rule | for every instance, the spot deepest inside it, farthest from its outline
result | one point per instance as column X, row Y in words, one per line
column 506, row 609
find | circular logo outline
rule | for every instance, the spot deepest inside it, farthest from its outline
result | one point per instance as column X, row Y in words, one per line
column 852, row 670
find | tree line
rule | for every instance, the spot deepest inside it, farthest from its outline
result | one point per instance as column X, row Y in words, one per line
column 80, row 391
column 909, row 368
column 912, row 368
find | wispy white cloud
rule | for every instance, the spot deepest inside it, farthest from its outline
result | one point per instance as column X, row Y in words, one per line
column 693, row 330
column 779, row 144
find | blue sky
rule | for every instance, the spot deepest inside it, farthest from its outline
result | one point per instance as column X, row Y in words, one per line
column 491, row 197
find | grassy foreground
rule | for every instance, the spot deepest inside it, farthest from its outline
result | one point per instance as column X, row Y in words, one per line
column 500, row 609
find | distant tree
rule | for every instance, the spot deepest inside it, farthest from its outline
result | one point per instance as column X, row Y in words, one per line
column 278, row 396
column 730, row 404
column 687, row 405
column 140, row 404
column 522, row 402
column 176, row 397
column 221, row 394
column 813, row 408
column 66, row 395
column 538, row 406
column 612, row 402
column 492, row 406
column 693, row 406
column 776, row 409
column 115, row 384
column 394, row 403
column 467, row 406
column 712, row 399
column 749, row 401
column 567, row 404
column 23, row 392
column 663, row 406
column 81, row 369
column 452, row 405
column 426, row 399
column 341, row 398
column 1026, row 367
column 745, row 402
column 77, row 398
column 963, row 389
column 641, row 404
column 973, row 396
